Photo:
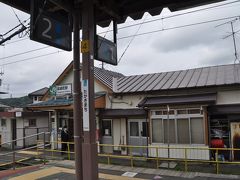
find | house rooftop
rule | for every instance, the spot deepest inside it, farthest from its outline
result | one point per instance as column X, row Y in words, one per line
column 221, row 75
column 39, row 92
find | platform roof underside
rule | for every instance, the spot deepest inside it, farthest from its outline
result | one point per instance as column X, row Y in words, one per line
column 107, row 10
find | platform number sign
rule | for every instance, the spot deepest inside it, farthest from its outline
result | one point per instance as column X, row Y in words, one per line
column 51, row 28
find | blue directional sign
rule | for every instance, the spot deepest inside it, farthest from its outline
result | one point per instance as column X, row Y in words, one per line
column 50, row 28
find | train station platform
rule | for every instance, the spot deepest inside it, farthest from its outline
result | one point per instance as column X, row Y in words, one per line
column 64, row 170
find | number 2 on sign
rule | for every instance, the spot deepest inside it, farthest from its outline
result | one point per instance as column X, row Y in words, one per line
column 85, row 46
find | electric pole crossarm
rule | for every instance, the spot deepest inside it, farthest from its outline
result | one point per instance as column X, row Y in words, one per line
column 14, row 34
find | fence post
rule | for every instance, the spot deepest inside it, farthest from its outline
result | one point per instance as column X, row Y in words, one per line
column 157, row 157
column 13, row 156
column 185, row 159
column 44, row 152
column 38, row 149
column 131, row 155
column 68, row 151
column 217, row 164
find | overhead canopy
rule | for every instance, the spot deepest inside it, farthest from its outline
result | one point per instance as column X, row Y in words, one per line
column 67, row 104
column 107, row 10
column 183, row 99
column 123, row 113
column 225, row 109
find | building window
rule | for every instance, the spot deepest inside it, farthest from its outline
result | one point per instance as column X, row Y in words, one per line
column 157, row 131
column 144, row 129
column 183, row 131
column 134, row 129
column 35, row 98
column 107, row 128
column 197, row 131
column 185, row 127
column 171, row 136
column 32, row 123
column 3, row 122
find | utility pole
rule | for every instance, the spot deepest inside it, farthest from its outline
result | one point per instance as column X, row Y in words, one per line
column 77, row 112
column 90, row 168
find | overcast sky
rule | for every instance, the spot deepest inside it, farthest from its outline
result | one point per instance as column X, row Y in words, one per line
column 167, row 50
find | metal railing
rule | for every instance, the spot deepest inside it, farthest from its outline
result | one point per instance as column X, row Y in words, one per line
column 12, row 158
column 185, row 156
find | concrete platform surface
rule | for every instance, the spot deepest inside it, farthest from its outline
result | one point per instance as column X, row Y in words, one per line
column 65, row 170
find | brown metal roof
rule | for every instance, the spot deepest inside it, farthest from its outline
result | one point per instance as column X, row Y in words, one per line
column 39, row 92
column 191, row 78
column 183, row 99
column 106, row 76
column 107, row 10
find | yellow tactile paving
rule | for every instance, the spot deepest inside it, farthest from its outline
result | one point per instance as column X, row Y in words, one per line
column 55, row 170
column 113, row 177
column 29, row 152
column 43, row 173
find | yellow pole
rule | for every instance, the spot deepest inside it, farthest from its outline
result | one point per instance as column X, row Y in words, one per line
column 157, row 157
column 68, row 151
column 217, row 164
column 185, row 159
column 108, row 160
column 131, row 157
column 37, row 149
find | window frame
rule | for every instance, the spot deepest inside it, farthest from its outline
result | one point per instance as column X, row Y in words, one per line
column 30, row 124
column 111, row 130
column 176, row 116
column 5, row 122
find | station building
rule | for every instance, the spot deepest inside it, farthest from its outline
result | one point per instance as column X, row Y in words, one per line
column 186, row 108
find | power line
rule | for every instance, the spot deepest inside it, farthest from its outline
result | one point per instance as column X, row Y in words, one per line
column 26, row 52
column 141, row 34
column 130, row 42
column 180, row 14
column 14, row 28
column 167, row 17
column 179, row 27
column 16, row 16
column 150, row 32
column 35, row 57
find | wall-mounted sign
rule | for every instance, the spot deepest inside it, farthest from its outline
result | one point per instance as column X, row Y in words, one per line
column 63, row 89
column 50, row 27
column 106, row 51
column 52, row 90
column 18, row 114
column 60, row 90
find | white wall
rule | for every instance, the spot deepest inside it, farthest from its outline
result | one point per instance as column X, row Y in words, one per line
column 228, row 97
column 125, row 102
column 67, row 79
column 41, row 122
column 202, row 154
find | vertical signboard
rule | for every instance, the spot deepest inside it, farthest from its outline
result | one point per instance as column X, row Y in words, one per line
column 105, row 50
column 235, row 137
column 85, row 105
